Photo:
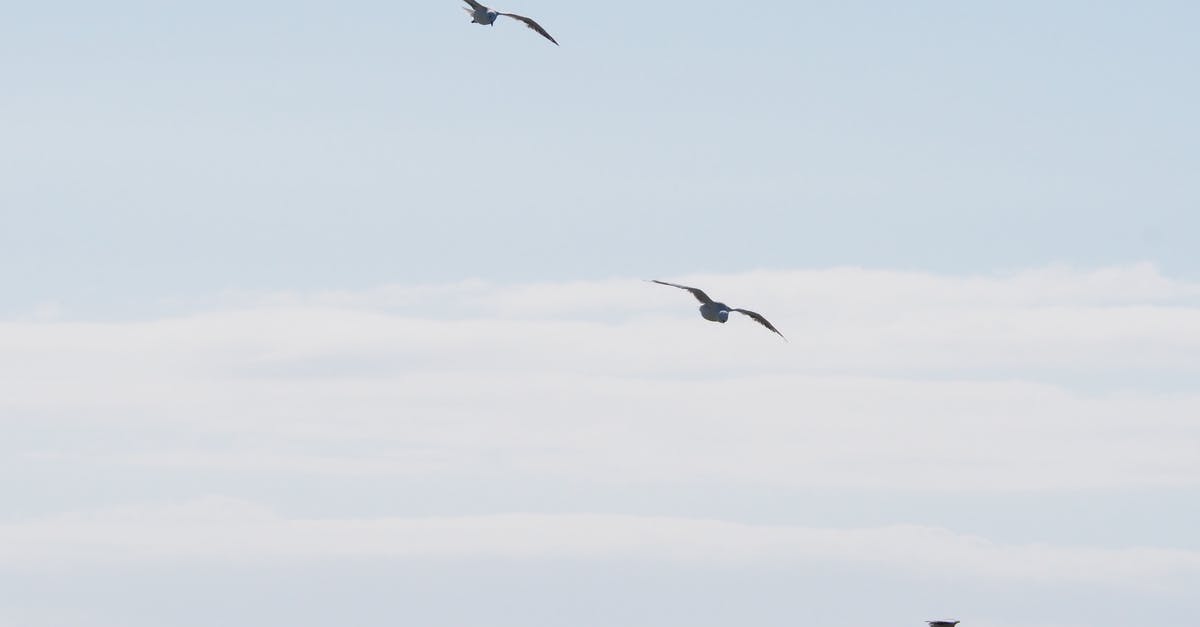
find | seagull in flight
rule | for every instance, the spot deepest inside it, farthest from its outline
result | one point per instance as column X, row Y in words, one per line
column 483, row 15
column 942, row 623
column 719, row 312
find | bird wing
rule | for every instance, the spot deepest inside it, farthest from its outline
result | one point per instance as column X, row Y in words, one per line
column 531, row 24
column 697, row 292
column 759, row 319
column 476, row 5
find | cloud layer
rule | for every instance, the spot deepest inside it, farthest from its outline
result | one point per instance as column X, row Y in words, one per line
column 294, row 431
column 225, row 530
column 1052, row 379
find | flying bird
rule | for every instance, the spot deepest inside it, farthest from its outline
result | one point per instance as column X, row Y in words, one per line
column 719, row 312
column 942, row 623
column 483, row 15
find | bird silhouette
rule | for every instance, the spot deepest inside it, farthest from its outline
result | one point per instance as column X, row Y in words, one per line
column 487, row 17
column 719, row 312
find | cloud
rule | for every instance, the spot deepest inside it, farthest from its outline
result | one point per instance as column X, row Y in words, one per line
column 1051, row 379
column 228, row 530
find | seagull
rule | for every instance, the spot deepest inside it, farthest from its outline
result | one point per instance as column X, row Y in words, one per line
column 483, row 15
column 942, row 623
column 719, row 312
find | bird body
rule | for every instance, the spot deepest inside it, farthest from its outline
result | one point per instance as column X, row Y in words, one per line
column 487, row 17
column 719, row 312
column 484, row 16
column 942, row 623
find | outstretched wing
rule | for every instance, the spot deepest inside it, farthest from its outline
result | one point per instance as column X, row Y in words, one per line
column 697, row 292
column 531, row 24
column 476, row 5
column 759, row 319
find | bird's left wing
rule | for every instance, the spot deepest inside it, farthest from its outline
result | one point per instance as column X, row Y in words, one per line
column 476, row 5
column 761, row 320
column 531, row 24
column 697, row 292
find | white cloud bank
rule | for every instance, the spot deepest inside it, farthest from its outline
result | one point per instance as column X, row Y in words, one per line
column 226, row 530
column 1053, row 379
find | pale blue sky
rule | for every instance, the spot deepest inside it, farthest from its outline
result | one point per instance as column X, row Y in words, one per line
column 168, row 150
column 247, row 378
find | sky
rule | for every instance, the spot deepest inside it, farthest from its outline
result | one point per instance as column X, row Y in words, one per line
column 323, row 313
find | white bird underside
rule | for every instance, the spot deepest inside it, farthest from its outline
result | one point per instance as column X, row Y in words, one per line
column 483, row 15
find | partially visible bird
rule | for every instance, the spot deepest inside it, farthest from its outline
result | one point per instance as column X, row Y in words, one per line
column 483, row 15
column 719, row 312
column 942, row 623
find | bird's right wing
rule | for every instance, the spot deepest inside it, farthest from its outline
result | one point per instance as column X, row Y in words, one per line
column 476, row 5
column 759, row 319
column 531, row 24
column 697, row 292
